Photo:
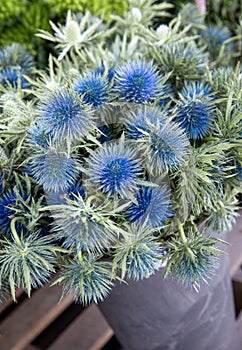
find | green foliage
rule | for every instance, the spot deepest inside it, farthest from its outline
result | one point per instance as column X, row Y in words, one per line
column 11, row 8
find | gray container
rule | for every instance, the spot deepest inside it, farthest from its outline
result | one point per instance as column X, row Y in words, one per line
column 158, row 314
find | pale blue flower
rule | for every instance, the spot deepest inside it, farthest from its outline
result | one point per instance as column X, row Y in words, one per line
column 114, row 169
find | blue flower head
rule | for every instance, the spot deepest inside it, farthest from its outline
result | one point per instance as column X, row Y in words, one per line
column 215, row 37
column 65, row 116
column 195, row 110
column 137, row 121
column 137, row 81
column 54, row 170
column 13, row 76
column 38, row 136
column 115, row 169
column 8, row 199
column 153, row 207
column 93, row 88
column 15, row 61
column 164, row 147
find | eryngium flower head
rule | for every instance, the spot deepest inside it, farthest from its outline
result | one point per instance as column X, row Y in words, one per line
column 38, row 137
column 64, row 115
column 89, row 280
column 195, row 110
column 137, row 81
column 8, row 201
column 93, row 89
column 214, row 37
column 163, row 147
column 15, row 61
column 153, row 207
column 194, row 261
column 138, row 254
column 115, row 169
column 53, row 169
column 28, row 263
column 14, row 77
column 84, row 224
column 138, row 120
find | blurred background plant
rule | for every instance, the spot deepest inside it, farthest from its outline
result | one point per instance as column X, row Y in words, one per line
column 115, row 152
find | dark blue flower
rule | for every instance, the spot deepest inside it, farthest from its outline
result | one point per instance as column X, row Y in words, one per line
column 93, row 88
column 114, row 169
column 137, row 81
column 8, row 199
column 153, row 207
column 195, row 110
column 54, row 170
column 137, row 122
column 64, row 115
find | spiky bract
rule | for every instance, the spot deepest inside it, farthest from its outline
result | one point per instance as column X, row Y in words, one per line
column 89, row 280
column 84, row 224
column 164, row 147
column 139, row 120
column 64, row 115
column 138, row 254
column 53, row 169
column 137, row 81
column 93, row 89
column 195, row 108
column 115, row 169
column 153, row 207
column 194, row 260
column 28, row 263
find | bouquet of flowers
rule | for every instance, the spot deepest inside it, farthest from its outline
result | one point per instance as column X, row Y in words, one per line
column 124, row 154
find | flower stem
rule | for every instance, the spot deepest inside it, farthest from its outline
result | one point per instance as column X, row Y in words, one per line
column 14, row 232
column 181, row 231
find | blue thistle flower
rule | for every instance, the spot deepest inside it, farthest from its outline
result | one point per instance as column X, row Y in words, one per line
column 64, row 115
column 84, row 224
column 54, row 170
column 8, row 201
column 164, row 147
column 13, row 76
column 195, row 110
column 115, row 169
column 93, row 88
column 215, row 37
column 15, row 61
column 154, row 207
column 89, row 280
column 38, row 136
column 138, row 254
column 193, row 261
column 137, row 121
column 137, row 81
